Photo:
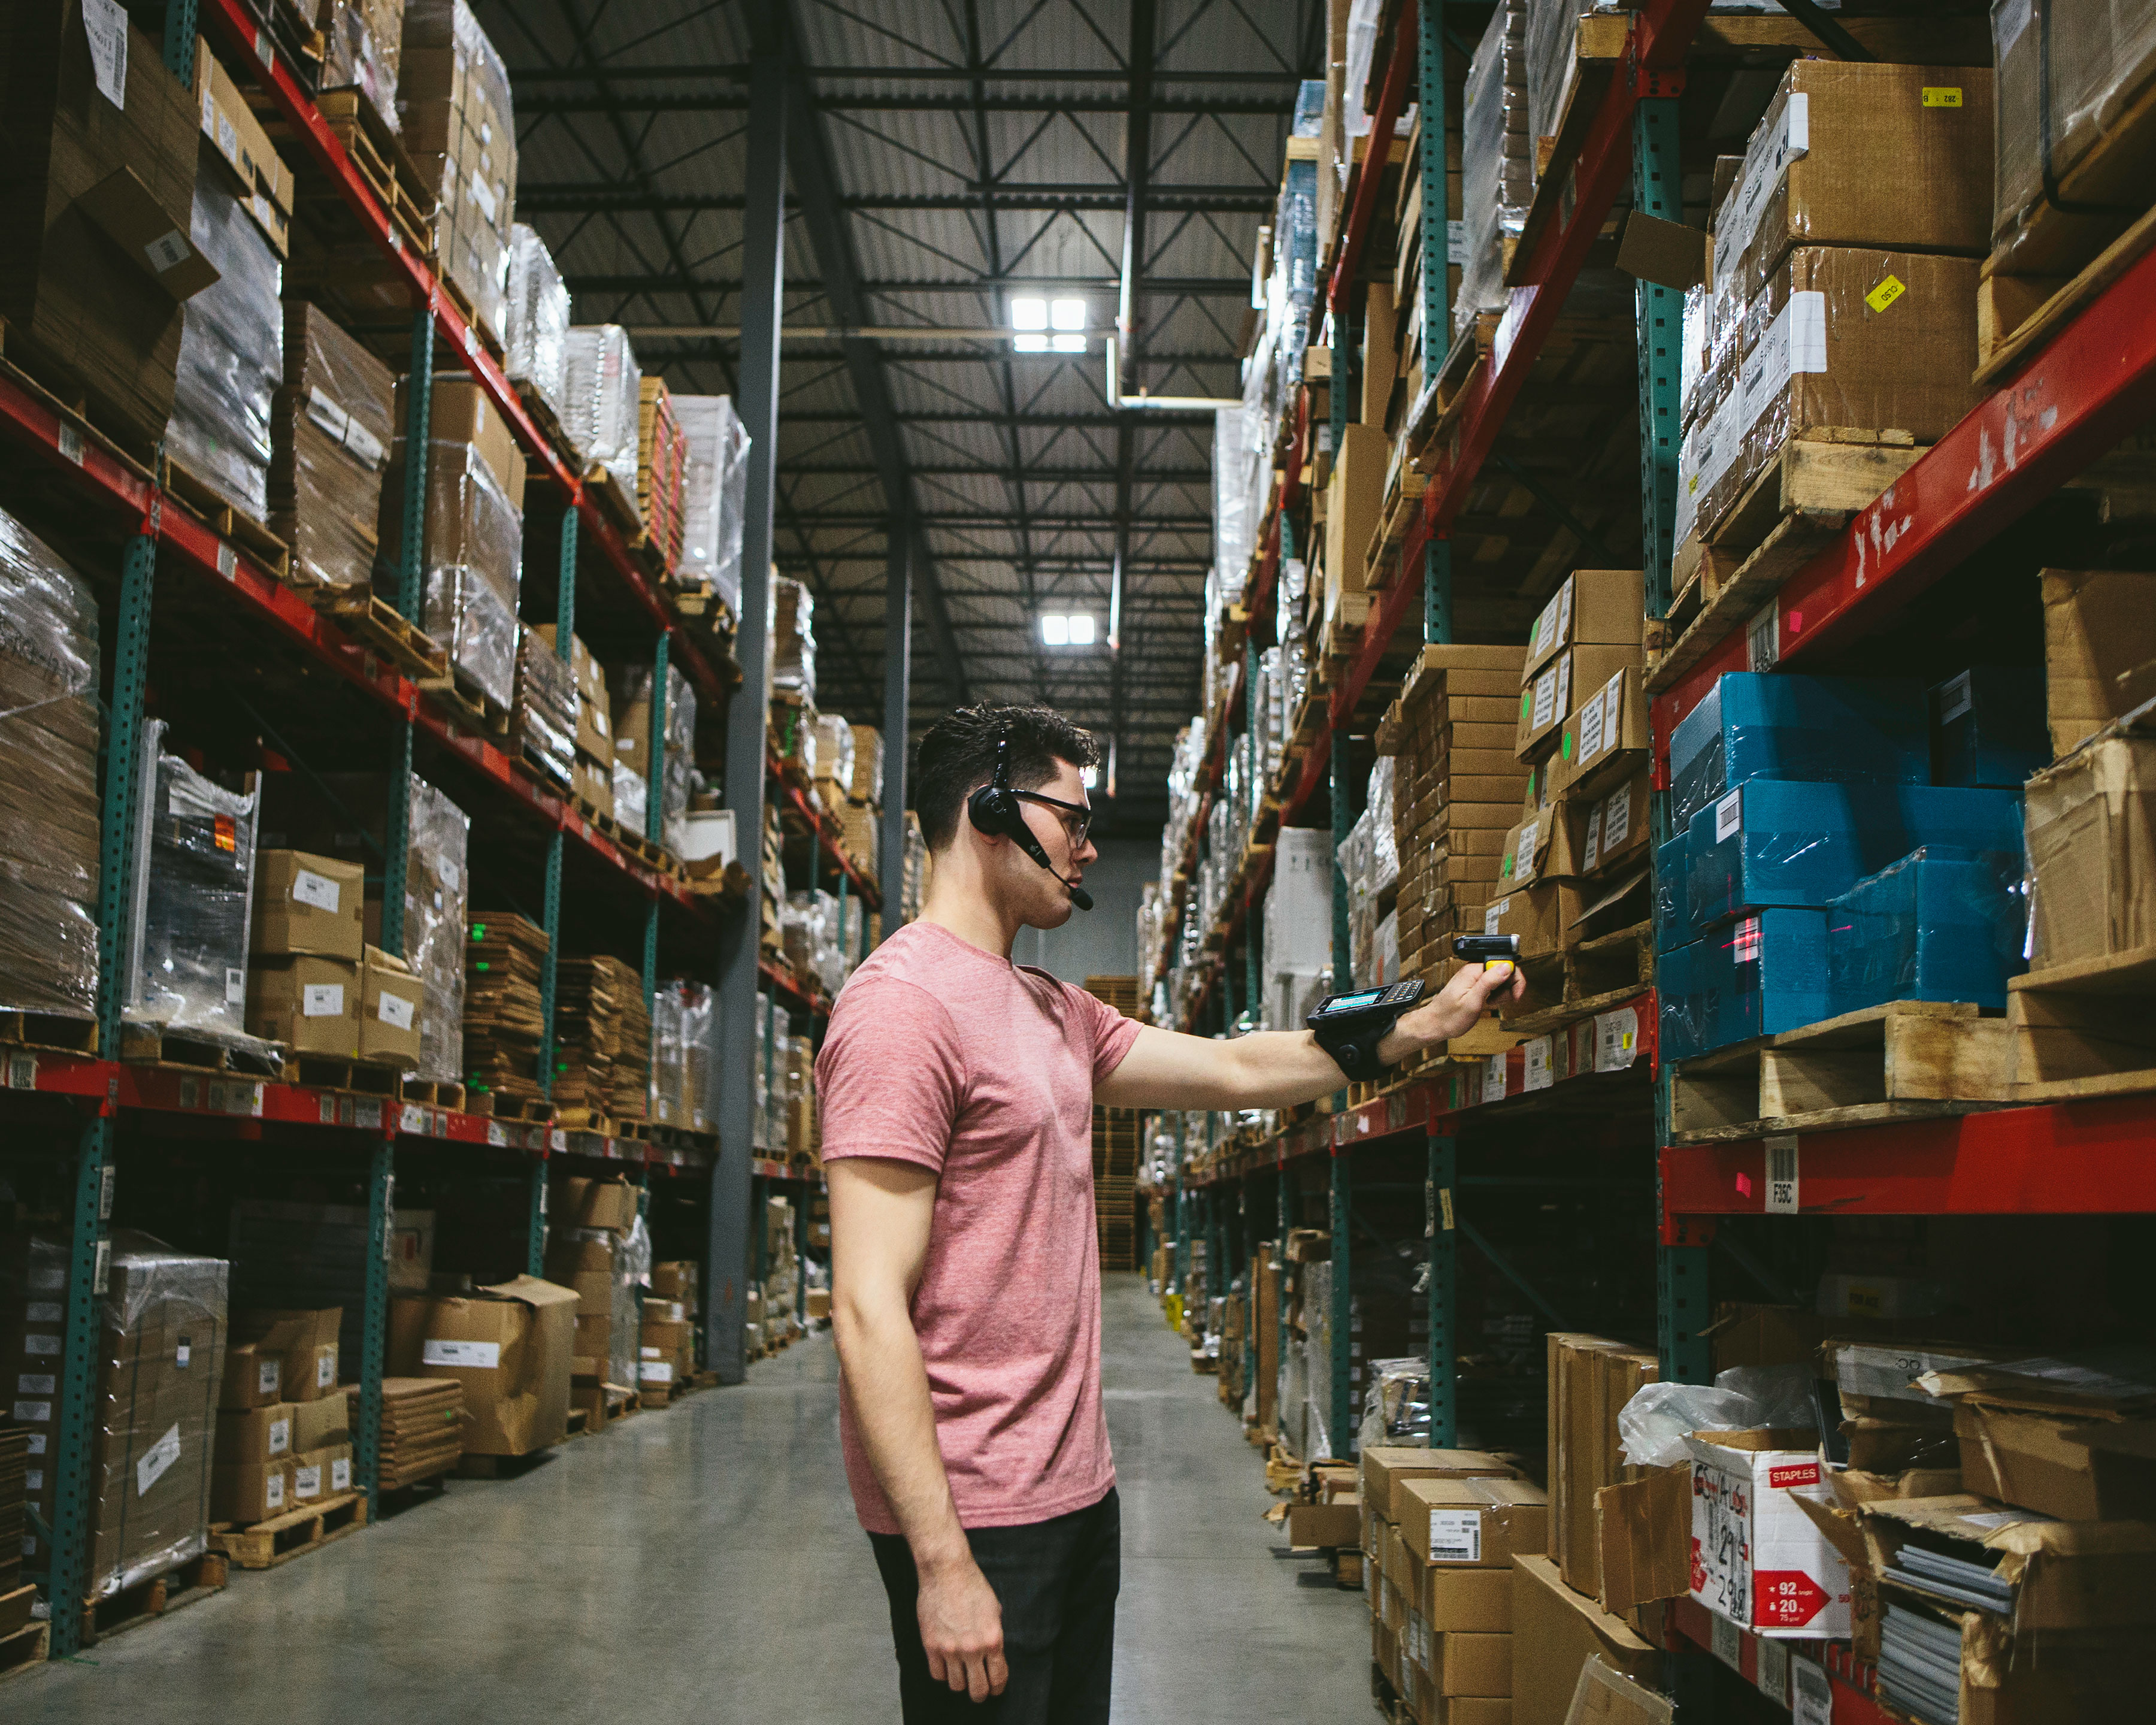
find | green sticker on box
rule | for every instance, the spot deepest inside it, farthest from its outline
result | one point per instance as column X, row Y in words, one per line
column 1526, row 698
column 1566, row 745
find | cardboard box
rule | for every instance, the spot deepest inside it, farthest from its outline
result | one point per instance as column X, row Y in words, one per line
column 1604, row 739
column 1556, row 1631
column 1472, row 1663
column 1338, row 1524
column 460, row 415
column 305, row 905
column 508, row 1345
column 305, row 1343
column 1643, row 1539
column 1540, row 915
column 1602, row 608
column 1574, row 1450
column 412, row 1249
column 1479, row 1523
column 1609, row 834
column 321, row 1472
column 1547, row 702
column 1758, row 1558
column 250, row 1490
column 1387, row 1466
column 581, row 1203
column 257, row 1434
column 253, row 1377
column 1354, row 498
column 2099, row 649
column 2067, row 1576
column 1457, row 1598
column 391, row 1002
column 2092, row 838
column 266, row 184
column 2061, row 1464
column 311, row 1005
column 321, row 1424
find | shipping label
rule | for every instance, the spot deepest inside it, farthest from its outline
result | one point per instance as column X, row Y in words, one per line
column 319, row 891
column 322, row 1000
column 307, row 1483
column 1456, row 1536
column 394, row 1010
column 151, row 1466
column 280, row 1436
column 1537, row 1059
column 476, row 1356
column 1616, row 819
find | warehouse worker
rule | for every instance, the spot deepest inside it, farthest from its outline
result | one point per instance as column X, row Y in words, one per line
column 957, row 1092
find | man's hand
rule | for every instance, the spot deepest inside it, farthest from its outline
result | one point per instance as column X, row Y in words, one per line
column 1454, row 1009
column 962, row 1626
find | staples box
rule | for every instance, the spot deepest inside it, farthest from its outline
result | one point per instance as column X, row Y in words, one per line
column 1757, row 1558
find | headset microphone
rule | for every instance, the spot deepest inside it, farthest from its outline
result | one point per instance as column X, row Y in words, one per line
column 993, row 809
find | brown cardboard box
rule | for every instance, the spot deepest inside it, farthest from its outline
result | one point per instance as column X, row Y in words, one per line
column 1353, row 500
column 250, row 1490
column 594, row 1292
column 1480, row 1523
column 1610, row 832
column 1325, row 1524
column 460, row 414
column 391, row 1002
column 321, row 1424
column 1472, row 1710
column 253, row 1377
column 305, row 905
column 324, row 1471
column 582, row 1202
column 305, row 1343
column 592, row 1347
column 2099, row 649
column 1539, row 915
column 1470, row 1663
column 258, row 1434
column 267, row 184
column 1455, row 1597
column 1744, row 1334
column 1574, row 1436
column 1606, row 737
column 675, row 1281
column 1547, row 702
column 2091, row 835
column 2061, row 1464
column 1555, row 1631
column 309, row 1004
column 412, row 1249
column 1601, row 608
column 1643, row 1539
column 509, row 1346
column 1385, row 1466
column 2067, row 1576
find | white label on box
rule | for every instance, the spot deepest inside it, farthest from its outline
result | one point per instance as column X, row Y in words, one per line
column 37, row 1383
column 1613, row 711
column 1564, row 686
column 1954, row 700
column 37, row 1443
column 227, row 140
column 1537, row 1060
column 1492, row 915
column 235, row 986
column 1794, row 343
column 1590, row 730
column 484, row 194
column 474, row 1356
column 1811, row 1694
column 273, row 1493
column 1546, row 625
column 1728, row 1642
column 45, row 1312
column 1763, row 638
column 105, row 23
column 1493, row 1079
column 184, row 1353
column 325, row 1370
column 168, row 253
column 280, row 1436
column 42, row 1344
column 322, row 1000
column 647, row 1353
column 340, row 1474
column 1616, row 1039
column 394, row 1010
column 1456, row 1536
column 1616, row 819
column 155, row 1460
column 269, row 1376
column 654, row 1372
column 1593, row 854
column 1546, row 692
column 1564, row 607
column 1729, row 815
column 34, row 1479
column 34, row 1413
column 1772, row 1677
column 1992, row 1520
column 1781, row 1176
column 364, row 445
column 1523, row 850
column 327, row 414
column 324, row 894
column 307, row 1483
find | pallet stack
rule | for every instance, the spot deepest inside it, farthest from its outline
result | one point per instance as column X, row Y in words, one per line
column 422, row 1428
column 502, row 1022
column 1118, row 1133
column 15, row 1494
column 662, row 469
column 592, row 1020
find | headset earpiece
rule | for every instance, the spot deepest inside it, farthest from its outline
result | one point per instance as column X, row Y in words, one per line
column 993, row 809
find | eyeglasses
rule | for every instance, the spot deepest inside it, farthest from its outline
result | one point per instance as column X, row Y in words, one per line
column 1083, row 811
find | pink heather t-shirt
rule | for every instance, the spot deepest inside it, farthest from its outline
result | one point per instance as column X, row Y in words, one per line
column 946, row 1055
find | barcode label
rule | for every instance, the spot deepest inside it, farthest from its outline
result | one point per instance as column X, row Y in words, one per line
column 1456, row 1536
column 1782, row 1176
column 1728, row 815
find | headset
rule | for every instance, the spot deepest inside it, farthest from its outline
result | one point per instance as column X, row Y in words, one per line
column 993, row 809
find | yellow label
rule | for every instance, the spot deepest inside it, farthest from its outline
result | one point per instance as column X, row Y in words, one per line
column 1886, row 294
column 1942, row 95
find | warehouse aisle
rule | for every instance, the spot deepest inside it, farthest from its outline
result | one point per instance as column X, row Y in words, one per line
column 704, row 1564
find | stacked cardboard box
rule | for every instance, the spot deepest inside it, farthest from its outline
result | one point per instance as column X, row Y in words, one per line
column 661, row 472
column 589, row 1253
column 666, row 1359
column 602, row 389
column 453, row 100
column 308, row 940
column 502, row 1025
column 363, row 43
column 633, row 740
column 594, row 776
column 507, row 1345
column 544, row 723
column 283, row 1437
column 422, row 1428
column 330, row 434
column 602, row 1036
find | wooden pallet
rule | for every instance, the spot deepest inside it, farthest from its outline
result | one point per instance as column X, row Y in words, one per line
column 478, row 710
column 131, row 1607
column 535, row 1111
column 434, row 1093
column 24, row 1650
column 462, row 301
column 1807, row 495
column 201, row 498
column 383, row 162
column 2086, row 1030
column 360, row 611
column 617, row 504
column 1618, row 964
column 147, row 1045
column 2018, row 316
column 48, row 1029
column 1402, row 502
column 267, row 1544
column 365, row 1078
column 30, row 369
column 1906, row 1060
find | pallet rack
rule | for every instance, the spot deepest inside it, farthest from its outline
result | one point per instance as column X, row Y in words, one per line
column 83, row 1094
column 2053, row 413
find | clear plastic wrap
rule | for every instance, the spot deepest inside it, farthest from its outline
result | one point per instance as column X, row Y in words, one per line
column 1496, row 161
column 453, row 94
column 50, row 807
column 633, row 709
column 667, row 1106
column 715, row 499
column 793, row 638
column 546, row 718
column 194, row 897
column 1754, row 724
column 435, row 892
column 834, row 750
column 1941, row 924
column 1653, row 1424
column 1233, row 532
column 1361, row 50
column 632, row 797
column 1553, row 27
column 1316, row 1281
column 474, row 566
column 603, row 387
column 363, row 43
column 232, row 350
column 1396, row 1403
column 331, row 432
column 1757, row 976
column 537, row 310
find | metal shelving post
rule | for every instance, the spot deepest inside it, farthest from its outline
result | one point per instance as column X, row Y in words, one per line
column 763, row 272
column 1342, row 1171
column 565, row 628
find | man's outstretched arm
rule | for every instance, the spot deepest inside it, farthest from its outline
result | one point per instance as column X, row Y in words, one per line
column 1277, row 1068
column 880, row 1212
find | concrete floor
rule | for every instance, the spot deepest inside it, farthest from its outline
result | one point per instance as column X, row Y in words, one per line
column 704, row 1564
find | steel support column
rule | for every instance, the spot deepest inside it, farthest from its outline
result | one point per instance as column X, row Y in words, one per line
column 535, row 1226
column 374, row 1311
column 763, row 270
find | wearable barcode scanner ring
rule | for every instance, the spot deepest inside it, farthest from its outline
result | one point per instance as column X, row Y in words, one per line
column 993, row 809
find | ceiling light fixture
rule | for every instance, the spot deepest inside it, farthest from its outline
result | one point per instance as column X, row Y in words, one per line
column 1028, row 313
column 1061, row 629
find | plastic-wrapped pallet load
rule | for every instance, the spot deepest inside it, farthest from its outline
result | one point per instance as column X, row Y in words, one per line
column 49, row 815
column 459, row 126
column 435, row 883
column 666, row 1080
column 793, row 638
column 602, row 391
column 536, row 342
column 632, row 745
column 330, row 433
column 714, row 496
column 661, row 468
column 364, row 40
column 545, row 721
column 232, row 354
column 1496, row 161
column 194, row 894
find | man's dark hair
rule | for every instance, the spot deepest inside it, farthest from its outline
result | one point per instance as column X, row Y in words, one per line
column 958, row 756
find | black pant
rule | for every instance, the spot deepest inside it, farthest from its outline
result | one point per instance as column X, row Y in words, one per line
column 1056, row 1582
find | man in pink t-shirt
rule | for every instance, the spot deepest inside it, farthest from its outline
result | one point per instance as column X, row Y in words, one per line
column 957, row 1090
